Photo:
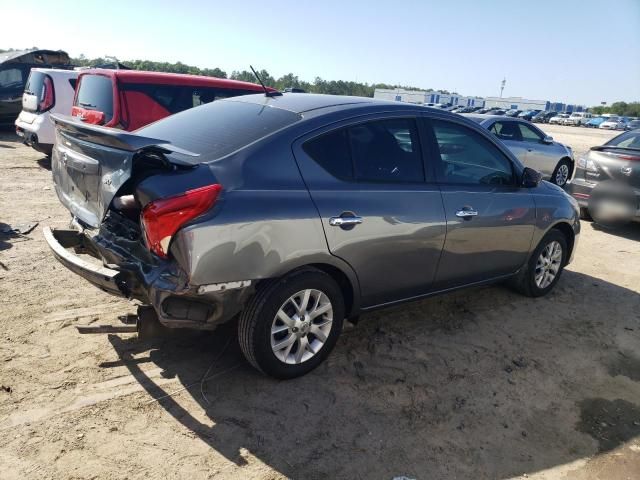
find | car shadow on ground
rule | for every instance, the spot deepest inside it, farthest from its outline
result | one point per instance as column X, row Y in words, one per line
column 473, row 384
column 630, row 231
column 10, row 140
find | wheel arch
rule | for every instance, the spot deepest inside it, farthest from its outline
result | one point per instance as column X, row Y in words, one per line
column 341, row 273
column 568, row 233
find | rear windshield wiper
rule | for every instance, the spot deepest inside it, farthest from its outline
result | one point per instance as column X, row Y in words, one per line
column 89, row 105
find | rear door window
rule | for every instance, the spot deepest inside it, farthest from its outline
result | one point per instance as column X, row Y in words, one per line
column 331, row 152
column 96, row 93
column 386, row 151
column 506, row 131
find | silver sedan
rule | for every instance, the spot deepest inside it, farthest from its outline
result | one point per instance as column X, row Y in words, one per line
column 532, row 146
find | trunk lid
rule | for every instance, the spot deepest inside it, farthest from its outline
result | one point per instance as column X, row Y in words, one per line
column 620, row 164
column 91, row 163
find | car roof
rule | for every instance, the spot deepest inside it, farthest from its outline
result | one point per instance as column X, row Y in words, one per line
column 140, row 76
column 60, row 72
column 307, row 102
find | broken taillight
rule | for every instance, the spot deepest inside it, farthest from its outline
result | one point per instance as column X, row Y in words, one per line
column 47, row 98
column 161, row 219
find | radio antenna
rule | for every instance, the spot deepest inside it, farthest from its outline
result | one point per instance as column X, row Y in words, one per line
column 267, row 93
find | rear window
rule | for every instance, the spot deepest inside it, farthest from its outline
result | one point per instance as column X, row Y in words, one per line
column 35, row 84
column 220, row 128
column 625, row 140
column 96, row 93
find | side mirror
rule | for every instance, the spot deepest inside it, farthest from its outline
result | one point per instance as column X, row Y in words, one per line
column 547, row 139
column 530, row 177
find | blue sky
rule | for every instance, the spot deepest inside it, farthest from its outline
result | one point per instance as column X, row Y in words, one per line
column 577, row 51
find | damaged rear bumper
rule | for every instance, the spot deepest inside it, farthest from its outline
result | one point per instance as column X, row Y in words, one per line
column 162, row 284
column 102, row 277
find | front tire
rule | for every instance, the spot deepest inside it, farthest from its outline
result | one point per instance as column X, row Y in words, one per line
column 545, row 266
column 291, row 325
column 562, row 173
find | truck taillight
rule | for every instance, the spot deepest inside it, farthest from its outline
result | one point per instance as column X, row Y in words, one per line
column 162, row 218
column 47, row 98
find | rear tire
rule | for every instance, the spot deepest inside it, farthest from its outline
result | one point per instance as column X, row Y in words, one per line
column 291, row 325
column 544, row 268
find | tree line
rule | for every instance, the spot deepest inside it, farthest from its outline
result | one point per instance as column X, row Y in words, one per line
column 319, row 85
column 631, row 109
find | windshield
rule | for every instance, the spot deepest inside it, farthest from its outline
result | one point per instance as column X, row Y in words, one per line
column 96, row 93
column 576, row 115
column 219, row 128
column 612, row 119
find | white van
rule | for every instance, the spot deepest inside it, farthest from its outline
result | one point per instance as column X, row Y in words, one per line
column 578, row 119
column 47, row 91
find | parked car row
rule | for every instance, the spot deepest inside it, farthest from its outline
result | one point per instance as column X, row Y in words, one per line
column 122, row 99
column 532, row 146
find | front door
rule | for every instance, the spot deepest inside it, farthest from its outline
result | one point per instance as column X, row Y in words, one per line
column 490, row 219
column 378, row 209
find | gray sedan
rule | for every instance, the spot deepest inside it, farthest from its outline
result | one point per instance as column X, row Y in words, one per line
column 294, row 212
column 532, row 146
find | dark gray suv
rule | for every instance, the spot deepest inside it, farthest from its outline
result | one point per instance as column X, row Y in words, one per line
column 294, row 212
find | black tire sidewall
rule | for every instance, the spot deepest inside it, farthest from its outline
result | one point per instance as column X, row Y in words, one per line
column 278, row 294
column 553, row 235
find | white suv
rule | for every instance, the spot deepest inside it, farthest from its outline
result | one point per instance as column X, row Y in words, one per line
column 577, row 119
column 47, row 91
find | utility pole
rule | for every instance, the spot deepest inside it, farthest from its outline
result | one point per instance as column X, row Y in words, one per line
column 502, row 84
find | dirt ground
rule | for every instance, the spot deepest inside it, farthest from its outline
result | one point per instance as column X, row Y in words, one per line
column 478, row 384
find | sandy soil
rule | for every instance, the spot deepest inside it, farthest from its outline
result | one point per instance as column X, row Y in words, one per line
column 478, row 384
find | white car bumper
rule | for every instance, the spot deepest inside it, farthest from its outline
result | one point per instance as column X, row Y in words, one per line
column 37, row 126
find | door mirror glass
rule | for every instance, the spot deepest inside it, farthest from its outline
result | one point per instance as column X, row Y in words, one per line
column 547, row 139
column 530, row 177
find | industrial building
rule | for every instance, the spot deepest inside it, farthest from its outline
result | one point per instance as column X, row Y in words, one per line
column 422, row 97
column 519, row 103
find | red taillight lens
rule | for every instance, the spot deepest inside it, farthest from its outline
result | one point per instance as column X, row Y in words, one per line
column 94, row 117
column 46, row 99
column 161, row 219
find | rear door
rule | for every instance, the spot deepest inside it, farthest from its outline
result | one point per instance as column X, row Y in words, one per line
column 379, row 207
column 490, row 219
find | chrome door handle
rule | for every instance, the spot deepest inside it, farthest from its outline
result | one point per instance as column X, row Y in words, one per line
column 467, row 212
column 344, row 221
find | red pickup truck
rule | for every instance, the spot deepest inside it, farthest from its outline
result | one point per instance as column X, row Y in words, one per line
column 130, row 99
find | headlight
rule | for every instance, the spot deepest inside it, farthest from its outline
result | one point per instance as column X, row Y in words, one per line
column 587, row 164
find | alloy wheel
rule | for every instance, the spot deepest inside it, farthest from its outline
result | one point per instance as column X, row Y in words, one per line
column 301, row 326
column 548, row 264
column 562, row 175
